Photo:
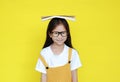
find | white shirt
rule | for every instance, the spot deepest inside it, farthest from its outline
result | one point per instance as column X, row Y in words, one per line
column 58, row 60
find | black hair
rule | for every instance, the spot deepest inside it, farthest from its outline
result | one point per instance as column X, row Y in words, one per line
column 52, row 24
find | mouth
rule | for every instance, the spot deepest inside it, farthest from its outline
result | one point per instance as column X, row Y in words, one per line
column 59, row 40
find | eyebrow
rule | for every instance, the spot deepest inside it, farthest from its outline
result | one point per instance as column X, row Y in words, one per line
column 59, row 31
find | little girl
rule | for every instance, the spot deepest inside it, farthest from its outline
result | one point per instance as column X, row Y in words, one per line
column 58, row 60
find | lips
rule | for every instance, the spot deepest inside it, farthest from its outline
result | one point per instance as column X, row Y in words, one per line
column 59, row 40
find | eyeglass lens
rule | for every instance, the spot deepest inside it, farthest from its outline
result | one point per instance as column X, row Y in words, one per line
column 56, row 33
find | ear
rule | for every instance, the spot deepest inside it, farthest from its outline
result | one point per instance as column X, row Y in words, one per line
column 50, row 35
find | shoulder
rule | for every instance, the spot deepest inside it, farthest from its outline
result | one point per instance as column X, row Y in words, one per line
column 74, row 51
column 44, row 51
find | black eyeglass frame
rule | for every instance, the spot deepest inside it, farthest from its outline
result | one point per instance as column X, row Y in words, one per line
column 59, row 33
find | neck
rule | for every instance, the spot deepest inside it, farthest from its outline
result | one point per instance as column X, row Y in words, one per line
column 57, row 46
column 57, row 49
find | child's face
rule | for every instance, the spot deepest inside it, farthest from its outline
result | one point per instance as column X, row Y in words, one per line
column 59, row 35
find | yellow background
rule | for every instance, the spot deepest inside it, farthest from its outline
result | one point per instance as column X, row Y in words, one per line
column 95, row 34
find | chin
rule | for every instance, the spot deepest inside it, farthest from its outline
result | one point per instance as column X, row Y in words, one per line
column 60, row 43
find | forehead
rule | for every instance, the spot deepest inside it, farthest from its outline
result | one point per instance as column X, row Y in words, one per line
column 60, row 27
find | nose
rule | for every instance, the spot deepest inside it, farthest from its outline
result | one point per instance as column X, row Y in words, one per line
column 59, row 35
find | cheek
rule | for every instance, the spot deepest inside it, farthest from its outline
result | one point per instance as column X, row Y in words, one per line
column 65, row 38
column 53, row 38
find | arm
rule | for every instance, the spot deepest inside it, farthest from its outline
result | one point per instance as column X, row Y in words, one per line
column 74, row 76
column 43, row 77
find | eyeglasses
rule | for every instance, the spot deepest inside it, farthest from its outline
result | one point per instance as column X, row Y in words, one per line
column 56, row 33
